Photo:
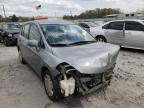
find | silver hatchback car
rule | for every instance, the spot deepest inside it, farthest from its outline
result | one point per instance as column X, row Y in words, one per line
column 66, row 57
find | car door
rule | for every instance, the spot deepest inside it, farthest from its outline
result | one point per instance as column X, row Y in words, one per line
column 114, row 32
column 35, row 53
column 23, row 41
column 134, row 34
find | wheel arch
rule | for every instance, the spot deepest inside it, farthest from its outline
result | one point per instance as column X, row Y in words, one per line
column 43, row 69
column 18, row 48
column 101, row 36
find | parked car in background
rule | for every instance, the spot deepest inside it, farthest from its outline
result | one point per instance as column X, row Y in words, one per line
column 99, row 23
column 0, row 32
column 87, row 25
column 9, row 33
column 126, row 33
column 66, row 57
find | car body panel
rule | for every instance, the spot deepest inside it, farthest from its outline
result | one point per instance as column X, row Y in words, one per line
column 124, row 38
column 89, row 59
column 134, row 39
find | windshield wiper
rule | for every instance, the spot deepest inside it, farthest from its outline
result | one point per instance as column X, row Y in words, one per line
column 59, row 45
column 82, row 42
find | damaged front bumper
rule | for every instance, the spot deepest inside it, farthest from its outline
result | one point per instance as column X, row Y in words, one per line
column 72, row 81
column 90, row 83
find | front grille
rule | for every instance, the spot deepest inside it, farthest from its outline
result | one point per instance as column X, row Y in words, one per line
column 90, row 81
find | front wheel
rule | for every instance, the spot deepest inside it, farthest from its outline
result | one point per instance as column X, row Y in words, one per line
column 101, row 39
column 52, row 87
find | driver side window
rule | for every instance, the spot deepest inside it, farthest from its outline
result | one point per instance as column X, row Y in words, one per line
column 34, row 33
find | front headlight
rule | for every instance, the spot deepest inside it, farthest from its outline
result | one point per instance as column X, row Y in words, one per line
column 10, row 35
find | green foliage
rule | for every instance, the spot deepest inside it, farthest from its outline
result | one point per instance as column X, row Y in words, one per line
column 14, row 18
column 97, row 13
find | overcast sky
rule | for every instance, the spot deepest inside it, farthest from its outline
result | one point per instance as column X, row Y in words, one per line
column 62, row 7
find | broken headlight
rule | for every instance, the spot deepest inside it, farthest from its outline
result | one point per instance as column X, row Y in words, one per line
column 67, row 81
column 66, row 69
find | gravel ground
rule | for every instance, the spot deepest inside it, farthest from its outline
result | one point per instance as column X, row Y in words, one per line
column 21, row 88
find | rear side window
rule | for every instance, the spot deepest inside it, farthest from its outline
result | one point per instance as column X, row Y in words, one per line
column 34, row 33
column 25, row 30
column 116, row 25
column 135, row 26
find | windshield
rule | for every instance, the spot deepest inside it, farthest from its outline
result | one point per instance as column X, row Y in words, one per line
column 58, row 35
column 91, row 24
column 13, row 26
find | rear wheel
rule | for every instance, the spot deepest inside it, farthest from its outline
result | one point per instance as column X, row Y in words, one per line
column 101, row 39
column 51, row 86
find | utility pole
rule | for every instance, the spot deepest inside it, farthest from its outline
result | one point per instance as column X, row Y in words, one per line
column 4, row 11
column 71, row 15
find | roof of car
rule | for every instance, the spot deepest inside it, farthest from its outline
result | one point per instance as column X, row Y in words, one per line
column 52, row 22
column 137, row 20
column 128, row 20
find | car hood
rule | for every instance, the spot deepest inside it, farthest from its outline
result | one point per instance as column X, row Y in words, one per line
column 90, row 58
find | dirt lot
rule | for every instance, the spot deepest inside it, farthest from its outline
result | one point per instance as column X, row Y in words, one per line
column 21, row 88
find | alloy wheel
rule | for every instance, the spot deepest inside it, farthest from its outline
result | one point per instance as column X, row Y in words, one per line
column 48, row 84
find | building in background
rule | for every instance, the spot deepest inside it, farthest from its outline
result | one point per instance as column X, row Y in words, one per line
column 127, row 15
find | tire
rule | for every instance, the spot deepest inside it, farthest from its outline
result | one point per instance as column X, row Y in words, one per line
column 51, row 86
column 100, row 39
column 21, row 59
column 6, row 43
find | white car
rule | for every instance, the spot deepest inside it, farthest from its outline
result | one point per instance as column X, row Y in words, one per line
column 126, row 33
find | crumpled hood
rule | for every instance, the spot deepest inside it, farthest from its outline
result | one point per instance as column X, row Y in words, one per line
column 90, row 58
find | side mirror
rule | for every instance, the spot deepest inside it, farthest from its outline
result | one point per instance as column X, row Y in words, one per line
column 33, row 43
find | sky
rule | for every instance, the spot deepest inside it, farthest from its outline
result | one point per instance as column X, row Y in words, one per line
column 65, row 7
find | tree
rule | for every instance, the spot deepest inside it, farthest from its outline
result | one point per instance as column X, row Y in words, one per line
column 14, row 18
column 97, row 13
